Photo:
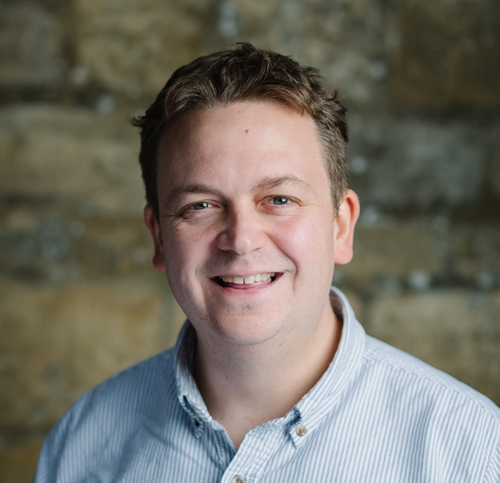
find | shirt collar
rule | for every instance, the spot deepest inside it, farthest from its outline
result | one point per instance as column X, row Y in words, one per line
column 325, row 396
column 316, row 404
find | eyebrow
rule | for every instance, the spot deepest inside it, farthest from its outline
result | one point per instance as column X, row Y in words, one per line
column 184, row 189
column 265, row 184
column 278, row 181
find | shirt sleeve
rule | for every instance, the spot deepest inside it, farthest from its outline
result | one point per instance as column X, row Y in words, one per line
column 493, row 471
column 47, row 468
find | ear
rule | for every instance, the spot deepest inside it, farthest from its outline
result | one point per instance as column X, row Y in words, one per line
column 154, row 229
column 344, row 227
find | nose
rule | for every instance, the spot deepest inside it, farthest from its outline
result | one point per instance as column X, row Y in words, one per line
column 242, row 233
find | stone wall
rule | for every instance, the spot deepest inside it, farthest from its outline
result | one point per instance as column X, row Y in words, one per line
column 79, row 299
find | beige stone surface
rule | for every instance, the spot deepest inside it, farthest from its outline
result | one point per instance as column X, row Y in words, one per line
column 40, row 241
column 475, row 251
column 58, row 342
column 494, row 171
column 145, row 41
column 116, row 247
column 438, row 63
column 155, row 37
column 395, row 249
column 74, row 156
column 415, row 163
column 31, row 45
column 456, row 331
column 18, row 462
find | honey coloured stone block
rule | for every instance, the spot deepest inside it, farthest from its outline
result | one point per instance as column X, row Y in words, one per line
column 456, row 331
column 72, row 157
column 58, row 342
column 445, row 54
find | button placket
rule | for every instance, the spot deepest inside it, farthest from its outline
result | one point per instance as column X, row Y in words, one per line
column 198, row 426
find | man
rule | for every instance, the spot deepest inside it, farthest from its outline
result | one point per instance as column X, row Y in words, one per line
column 272, row 379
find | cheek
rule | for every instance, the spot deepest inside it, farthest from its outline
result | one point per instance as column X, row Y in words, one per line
column 186, row 250
column 180, row 253
column 309, row 243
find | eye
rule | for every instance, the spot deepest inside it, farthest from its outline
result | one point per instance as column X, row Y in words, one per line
column 280, row 200
column 199, row 209
column 280, row 205
column 199, row 206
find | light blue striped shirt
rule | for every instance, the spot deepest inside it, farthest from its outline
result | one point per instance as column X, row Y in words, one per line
column 376, row 415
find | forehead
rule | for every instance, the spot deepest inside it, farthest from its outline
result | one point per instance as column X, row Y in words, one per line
column 267, row 120
column 243, row 139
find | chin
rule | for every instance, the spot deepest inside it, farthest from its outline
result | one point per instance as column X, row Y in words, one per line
column 246, row 330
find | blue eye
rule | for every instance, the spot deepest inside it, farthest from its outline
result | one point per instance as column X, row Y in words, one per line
column 200, row 206
column 280, row 200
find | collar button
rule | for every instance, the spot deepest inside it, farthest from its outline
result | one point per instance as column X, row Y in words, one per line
column 300, row 430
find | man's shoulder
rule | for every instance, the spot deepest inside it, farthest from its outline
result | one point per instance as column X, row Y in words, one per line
column 136, row 390
column 154, row 371
column 117, row 414
column 425, row 385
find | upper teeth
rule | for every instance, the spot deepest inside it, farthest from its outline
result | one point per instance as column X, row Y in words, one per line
column 259, row 277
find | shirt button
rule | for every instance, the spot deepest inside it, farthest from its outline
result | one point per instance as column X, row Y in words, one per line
column 237, row 479
column 300, row 430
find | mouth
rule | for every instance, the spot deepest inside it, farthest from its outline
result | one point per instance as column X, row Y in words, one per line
column 240, row 282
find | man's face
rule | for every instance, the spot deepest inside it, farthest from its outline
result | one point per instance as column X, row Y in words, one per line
column 244, row 193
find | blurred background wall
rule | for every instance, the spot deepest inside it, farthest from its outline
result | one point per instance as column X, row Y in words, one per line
column 79, row 299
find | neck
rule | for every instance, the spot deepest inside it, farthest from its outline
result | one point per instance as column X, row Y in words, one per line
column 246, row 386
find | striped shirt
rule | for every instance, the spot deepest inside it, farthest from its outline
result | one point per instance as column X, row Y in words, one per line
column 376, row 415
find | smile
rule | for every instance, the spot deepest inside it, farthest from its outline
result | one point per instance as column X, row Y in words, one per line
column 251, row 280
column 258, row 277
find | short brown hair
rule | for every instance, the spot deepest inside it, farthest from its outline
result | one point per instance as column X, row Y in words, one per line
column 246, row 73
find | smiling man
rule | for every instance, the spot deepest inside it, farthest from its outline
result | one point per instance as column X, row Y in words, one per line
column 248, row 236
column 272, row 379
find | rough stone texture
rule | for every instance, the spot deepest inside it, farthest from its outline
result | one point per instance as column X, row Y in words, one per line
column 475, row 251
column 145, row 41
column 438, row 63
column 18, row 460
column 494, row 170
column 421, row 81
column 76, row 157
column 456, row 331
column 31, row 46
column 64, row 248
column 412, row 162
column 58, row 342
column 394, row 250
